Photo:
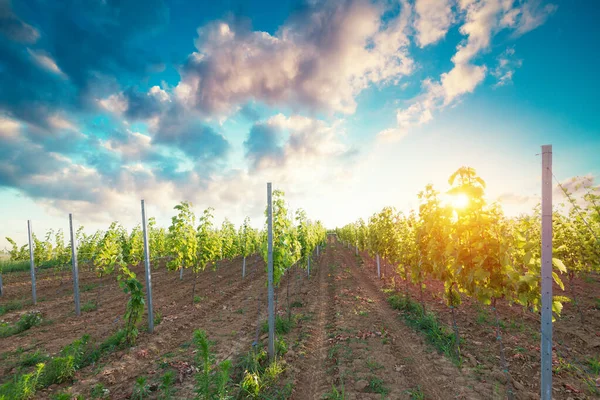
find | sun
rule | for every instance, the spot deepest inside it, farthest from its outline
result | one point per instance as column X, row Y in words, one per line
column 459, row 201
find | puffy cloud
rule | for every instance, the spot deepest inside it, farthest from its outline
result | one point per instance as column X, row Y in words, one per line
column 305, row 140
column 320, row 59
column 433, row 19
column 263, row 145
column 507, row 64
column 531, row 15
column 107, row 50
column 483, row 19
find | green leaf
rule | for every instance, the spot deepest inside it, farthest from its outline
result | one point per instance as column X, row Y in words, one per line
column 559, row 265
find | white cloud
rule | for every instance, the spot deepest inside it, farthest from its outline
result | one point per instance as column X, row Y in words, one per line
column 115, row 103
column 57, row 121
column 461, row 79
column 45, row 61
column 9, row 128
column 505, row 69
column 433, row 19
column 319, row 60
column 482, row 20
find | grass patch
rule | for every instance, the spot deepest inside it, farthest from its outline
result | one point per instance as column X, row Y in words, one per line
column 376, row 386
column 198, row 299
column 416, row 393
column 31, row 359
column 56, row 370
column 24, row 323
column 11, row 306
column 7, row 266
column 436, row 334
column 282, row 325
column 594, row 365
column 335, row 394
column 89, row 286
column 89, row 306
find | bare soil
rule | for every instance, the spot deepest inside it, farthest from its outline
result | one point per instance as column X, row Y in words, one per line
column 346, row 336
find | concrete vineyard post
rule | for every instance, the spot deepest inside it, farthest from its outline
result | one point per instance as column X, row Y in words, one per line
column 1, row 288
column 378, row 267
column 317, row 250
column 308, row 271
column 181, row 273
column 271, row 309
column 356, row 249
column 546, row 326
column 32, row 263
column 148, row 272
column 244, row 268
column 75, row 267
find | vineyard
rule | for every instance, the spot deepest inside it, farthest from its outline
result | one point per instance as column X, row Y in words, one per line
column 441, row 302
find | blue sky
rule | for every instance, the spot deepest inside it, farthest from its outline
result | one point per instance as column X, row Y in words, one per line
column 347, row 106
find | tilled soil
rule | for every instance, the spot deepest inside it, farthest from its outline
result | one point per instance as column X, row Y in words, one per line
column 346, row 338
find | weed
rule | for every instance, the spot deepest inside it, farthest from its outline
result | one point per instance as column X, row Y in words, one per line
column 158, row 318
column 89, row 286
column 166, row 385
column 482, row 316
column 10, row 306
column 296, row 304
column 89, row 306
column 282, row 325
column 594, row 365
column 240, row 311
column 24, row 323
column 376, row 386
column 335, row 394
column 31, row 359
column 281, row 347
column 416, row 393
column 212, row 378
column 436, row 334
column 99, row 392
column 198, row 299
column 373, row 365
column 62, row 396
column 141, row 389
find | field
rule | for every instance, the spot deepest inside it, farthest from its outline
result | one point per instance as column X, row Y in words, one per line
column 346, row 339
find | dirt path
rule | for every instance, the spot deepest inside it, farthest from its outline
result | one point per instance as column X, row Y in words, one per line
column 361, row 348
column 313, row 380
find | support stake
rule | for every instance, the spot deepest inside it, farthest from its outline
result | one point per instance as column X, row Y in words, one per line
column 271, row 345
column 546, row 328
column 148, row 272
column 32, row 263
column 75, row 267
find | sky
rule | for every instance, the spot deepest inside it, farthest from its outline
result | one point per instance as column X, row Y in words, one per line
column 347, row 106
